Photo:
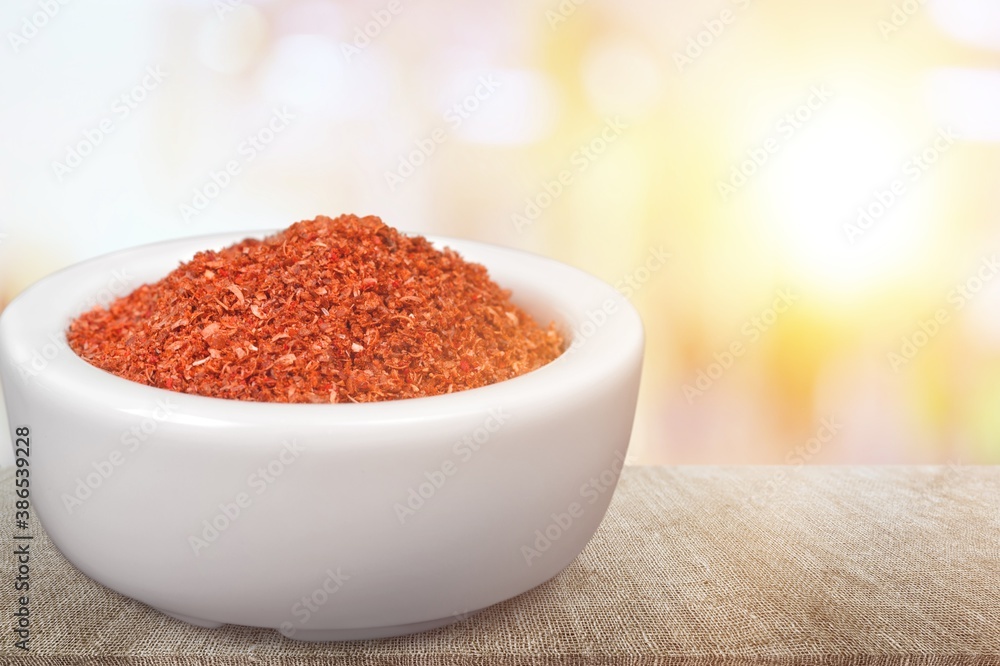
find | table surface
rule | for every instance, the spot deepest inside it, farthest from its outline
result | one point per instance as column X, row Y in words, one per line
column 692, row 565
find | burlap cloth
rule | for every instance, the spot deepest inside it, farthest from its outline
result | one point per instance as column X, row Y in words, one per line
column 693, row 565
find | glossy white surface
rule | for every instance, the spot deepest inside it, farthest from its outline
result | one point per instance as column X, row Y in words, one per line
column 125, row 475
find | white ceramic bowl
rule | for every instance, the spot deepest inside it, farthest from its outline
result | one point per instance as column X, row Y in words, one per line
column 325, row 522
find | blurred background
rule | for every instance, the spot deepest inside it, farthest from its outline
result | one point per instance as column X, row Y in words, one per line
column 802, row 201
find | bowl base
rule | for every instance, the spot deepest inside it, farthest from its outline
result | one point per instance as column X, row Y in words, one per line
column 327, row 635
column 362, row 633
column 198, row 622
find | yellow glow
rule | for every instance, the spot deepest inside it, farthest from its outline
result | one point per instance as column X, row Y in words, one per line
column 686, row 174
column 846, row 159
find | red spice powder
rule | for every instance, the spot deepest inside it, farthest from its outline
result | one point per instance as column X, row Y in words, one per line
column 328, row 310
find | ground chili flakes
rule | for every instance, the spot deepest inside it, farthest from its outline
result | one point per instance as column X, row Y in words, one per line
column 328, row 310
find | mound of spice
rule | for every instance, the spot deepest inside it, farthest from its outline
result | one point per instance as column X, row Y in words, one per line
column 328, row 310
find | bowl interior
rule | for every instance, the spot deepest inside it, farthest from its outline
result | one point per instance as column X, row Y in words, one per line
column 600, row 325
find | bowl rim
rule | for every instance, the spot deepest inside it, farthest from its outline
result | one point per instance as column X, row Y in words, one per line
column 587, row 359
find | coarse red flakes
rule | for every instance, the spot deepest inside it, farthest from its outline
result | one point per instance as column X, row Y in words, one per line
column 328, row 310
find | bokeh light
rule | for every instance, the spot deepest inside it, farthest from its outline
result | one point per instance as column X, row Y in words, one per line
column 837, row 163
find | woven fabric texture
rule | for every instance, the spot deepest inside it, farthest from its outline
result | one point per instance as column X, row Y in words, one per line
column 692, row 565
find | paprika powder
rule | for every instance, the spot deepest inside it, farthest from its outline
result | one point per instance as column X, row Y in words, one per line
column 328, row 310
